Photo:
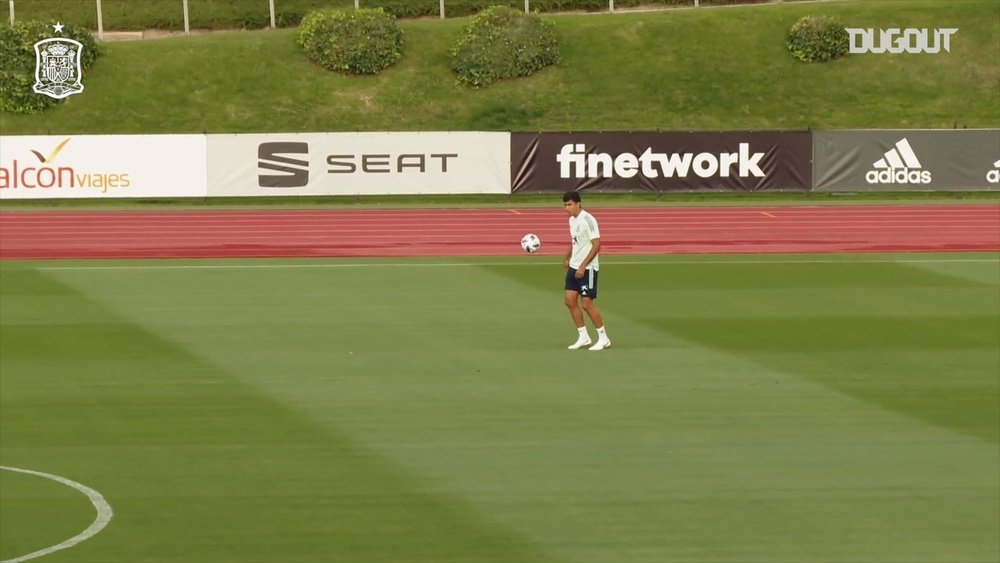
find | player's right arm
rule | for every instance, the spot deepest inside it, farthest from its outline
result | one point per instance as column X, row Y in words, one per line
column 566, row 257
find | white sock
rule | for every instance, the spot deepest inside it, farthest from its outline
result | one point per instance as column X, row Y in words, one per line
column 583, row 332
column 601, row 333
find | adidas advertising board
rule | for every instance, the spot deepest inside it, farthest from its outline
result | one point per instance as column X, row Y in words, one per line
column 993, row 176
column 296, row 164
column 660, row 161
column 905, row 160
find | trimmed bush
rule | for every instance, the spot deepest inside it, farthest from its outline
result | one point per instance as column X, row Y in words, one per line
column 17, row 63
column 363, row 41
column 502, row 42
column 817, row 39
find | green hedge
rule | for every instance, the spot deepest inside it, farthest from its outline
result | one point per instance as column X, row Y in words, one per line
column 818, row 39
column 502, row 42
column 357, row 41
column 17, row 63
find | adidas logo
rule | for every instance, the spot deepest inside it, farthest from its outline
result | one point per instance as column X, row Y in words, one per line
column 899, row 166
column 993, row 176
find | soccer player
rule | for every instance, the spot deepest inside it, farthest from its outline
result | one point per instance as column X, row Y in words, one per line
column 581, row 272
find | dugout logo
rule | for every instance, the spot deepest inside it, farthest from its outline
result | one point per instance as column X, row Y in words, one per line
column 899, row 165
column 291, row 172
column 895, row 40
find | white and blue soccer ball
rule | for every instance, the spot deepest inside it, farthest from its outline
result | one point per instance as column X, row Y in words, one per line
column 531, row 243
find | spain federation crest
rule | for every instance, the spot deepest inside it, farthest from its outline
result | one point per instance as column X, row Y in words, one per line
column 57, row 66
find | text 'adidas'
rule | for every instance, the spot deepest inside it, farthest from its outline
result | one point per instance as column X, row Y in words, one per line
column 900, row 165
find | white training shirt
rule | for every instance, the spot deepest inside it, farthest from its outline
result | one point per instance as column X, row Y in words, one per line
column 583, row 229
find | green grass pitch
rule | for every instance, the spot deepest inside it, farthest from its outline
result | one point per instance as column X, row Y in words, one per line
column 754, row 408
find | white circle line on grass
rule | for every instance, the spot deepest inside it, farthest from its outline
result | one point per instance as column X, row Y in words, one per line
column 104, row 514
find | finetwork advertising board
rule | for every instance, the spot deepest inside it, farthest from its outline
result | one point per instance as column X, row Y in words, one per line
column 102, row 166
column 661, row 161
column 302, row 164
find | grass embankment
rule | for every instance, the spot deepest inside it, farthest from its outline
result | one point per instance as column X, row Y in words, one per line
column 718, row 69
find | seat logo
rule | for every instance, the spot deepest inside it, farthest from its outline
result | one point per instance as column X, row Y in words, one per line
column 293, row 172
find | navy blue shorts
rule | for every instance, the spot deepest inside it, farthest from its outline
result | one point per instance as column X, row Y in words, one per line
column 585, row 286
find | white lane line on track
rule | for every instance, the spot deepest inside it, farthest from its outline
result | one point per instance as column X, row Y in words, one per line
column 640, row 208
column 983, row 211
column 901, row 235
column 104, row 514
column 269, row 226
column 67, row 228
column 6, row 216
column 142, row 267
column 298, row 237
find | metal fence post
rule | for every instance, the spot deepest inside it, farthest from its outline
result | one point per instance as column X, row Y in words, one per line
column 271, row 7
column 357, row 4
column 527, row 10
column 100, row 21
column 12, row 11
column 187, row 22
column 611, row 6
column 441, row 2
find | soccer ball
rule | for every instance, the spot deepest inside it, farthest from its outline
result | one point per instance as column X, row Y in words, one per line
column 531, row 243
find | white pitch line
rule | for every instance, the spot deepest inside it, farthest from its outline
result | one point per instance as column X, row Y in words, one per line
column 104, row 514
column 139, row 267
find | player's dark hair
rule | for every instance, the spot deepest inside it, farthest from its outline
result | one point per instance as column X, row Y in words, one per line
column 571, row 196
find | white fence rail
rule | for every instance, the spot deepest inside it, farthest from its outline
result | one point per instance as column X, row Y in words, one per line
column 183, row 6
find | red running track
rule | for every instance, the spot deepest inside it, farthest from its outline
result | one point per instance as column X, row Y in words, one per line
column 493, row 232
